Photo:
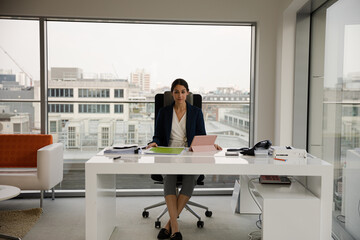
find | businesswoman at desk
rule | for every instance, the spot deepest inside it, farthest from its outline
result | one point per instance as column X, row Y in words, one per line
column 176, row 125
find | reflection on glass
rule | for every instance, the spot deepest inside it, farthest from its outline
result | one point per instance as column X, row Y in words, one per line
column 334, row 119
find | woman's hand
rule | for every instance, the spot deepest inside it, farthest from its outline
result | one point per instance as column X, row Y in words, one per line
column 217, row 147
column 150, row 145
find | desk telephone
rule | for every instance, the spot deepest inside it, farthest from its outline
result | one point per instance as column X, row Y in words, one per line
column 265, row 144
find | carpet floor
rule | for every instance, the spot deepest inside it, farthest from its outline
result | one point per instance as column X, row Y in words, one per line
column 17, row 223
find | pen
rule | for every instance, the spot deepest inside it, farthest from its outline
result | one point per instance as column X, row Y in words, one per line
column 280, row 159
column 116, row 157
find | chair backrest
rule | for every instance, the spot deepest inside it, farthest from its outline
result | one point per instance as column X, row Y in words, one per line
column 20, row 150
column 164, row 99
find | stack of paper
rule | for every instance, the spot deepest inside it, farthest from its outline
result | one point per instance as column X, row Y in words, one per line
column 118, row 151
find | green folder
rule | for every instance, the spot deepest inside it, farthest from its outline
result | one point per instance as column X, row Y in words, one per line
column 166, row 150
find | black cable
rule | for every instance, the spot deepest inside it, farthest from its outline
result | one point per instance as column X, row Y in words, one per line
column 259, row 222
column 338, row 218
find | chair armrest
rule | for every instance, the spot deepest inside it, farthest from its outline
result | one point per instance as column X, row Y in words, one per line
column 50, row 165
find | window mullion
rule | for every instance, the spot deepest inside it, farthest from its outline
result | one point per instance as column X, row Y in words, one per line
column 43, row 75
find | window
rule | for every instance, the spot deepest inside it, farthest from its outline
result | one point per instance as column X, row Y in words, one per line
column 61, row 108
column 119, row 108
column 105, row 136
column 71, row 137
column 17, row 127
column 59, row 92
column 20, row 76
column 94, row 93
column 114, row 87
column 52, row 126
column 334, row 105
column 94, row 108
column 119, row 93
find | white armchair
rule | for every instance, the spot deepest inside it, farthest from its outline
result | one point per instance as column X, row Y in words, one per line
column 47, row 173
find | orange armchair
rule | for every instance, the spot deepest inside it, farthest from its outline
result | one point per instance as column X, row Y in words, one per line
column 31, row 162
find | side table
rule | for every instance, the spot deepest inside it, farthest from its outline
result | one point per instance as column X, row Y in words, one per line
column 7, row 192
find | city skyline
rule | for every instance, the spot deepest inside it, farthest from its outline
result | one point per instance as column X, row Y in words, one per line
column 205, row 55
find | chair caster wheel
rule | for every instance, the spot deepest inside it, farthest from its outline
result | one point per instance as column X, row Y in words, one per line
column 208, row 213
column 145, row 214
column 157, row 224
column 200, row 224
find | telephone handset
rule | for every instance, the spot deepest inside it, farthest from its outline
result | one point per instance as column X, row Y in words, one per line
column 265, row 144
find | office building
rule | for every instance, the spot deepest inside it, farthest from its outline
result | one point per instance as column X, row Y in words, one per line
column 141, row 79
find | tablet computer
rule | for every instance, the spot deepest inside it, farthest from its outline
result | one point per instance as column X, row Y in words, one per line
column 203, row 143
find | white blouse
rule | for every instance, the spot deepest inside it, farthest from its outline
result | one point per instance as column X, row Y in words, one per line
column 178, row 131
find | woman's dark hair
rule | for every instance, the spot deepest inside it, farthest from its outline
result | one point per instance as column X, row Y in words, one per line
column 181, row 82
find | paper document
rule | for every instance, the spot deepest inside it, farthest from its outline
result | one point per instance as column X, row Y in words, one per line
column 126, row 146
column 119, row 151
column 165, row 150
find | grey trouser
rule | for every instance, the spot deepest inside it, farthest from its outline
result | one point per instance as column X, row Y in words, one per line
column 188, row 183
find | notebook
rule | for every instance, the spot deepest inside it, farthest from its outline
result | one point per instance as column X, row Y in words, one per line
column 203, row 143
column 165, row 150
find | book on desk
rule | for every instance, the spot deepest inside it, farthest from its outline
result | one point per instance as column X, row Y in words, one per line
column 165, row 150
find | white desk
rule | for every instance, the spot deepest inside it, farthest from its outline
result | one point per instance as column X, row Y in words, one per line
column 101, row 186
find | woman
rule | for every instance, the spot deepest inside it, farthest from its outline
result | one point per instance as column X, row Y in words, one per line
column 176, row 126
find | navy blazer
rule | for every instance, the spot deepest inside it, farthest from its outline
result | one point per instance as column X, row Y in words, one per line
column 194, row 124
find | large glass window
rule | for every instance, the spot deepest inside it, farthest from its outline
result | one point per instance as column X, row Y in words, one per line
column 334, row 121
column 19, row 76
column 125, row 69
column 101, row 89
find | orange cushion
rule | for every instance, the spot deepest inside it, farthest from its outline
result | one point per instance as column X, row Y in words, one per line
column 20, row 150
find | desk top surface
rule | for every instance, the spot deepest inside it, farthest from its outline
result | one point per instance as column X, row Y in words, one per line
column 203, row 162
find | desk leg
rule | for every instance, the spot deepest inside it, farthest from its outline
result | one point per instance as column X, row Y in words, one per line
column 322, row 187
column 327, row 182
column 100, row 205
column 247, row 203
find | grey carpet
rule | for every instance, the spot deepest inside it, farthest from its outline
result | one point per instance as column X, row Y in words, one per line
column 64, row 218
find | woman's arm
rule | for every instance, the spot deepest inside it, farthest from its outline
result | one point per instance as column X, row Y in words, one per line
column 200, row 124
column 157, row 133
column 162, row 125
column 201, row 129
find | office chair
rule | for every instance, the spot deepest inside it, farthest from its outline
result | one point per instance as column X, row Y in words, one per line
column 162, row 100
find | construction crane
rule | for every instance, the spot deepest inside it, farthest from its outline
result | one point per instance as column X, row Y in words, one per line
column 18, row 65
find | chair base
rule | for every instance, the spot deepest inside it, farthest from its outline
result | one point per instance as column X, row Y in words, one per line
column 200, row 223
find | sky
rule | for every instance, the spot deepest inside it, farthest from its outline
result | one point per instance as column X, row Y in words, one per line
column 206, row 56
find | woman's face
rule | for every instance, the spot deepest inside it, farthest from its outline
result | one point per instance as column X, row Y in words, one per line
column 179, row 94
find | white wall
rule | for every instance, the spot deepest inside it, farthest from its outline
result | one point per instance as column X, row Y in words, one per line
column 268, row 14
column 285, row 74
